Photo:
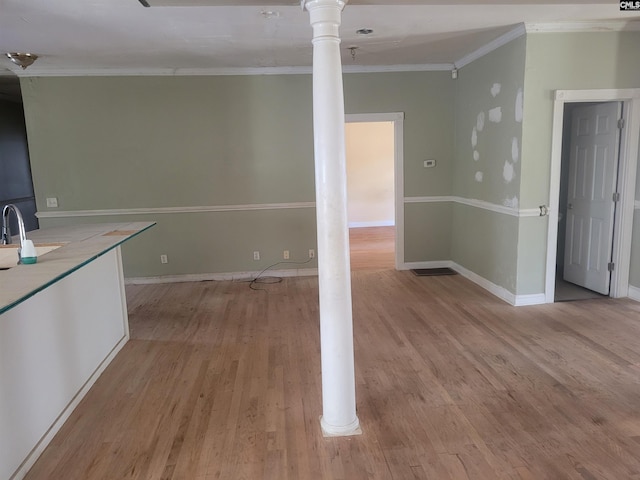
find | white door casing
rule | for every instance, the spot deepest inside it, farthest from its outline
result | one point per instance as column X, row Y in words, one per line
column 593, row 167
column 629, row 148
column 398, row 133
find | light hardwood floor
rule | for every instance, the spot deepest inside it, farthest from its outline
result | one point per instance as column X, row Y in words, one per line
column 372, row 248
column 223, row 382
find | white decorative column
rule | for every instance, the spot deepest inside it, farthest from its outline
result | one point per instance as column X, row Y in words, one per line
column 336, row 324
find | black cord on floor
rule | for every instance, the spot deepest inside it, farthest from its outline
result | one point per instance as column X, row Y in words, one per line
column 271, row 279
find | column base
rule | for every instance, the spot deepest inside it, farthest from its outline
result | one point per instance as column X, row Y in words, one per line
column 341, row 431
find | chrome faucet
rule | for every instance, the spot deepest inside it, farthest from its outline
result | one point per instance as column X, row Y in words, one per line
column 6, row 230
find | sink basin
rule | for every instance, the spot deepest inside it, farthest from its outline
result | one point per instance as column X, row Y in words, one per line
column 9, row 253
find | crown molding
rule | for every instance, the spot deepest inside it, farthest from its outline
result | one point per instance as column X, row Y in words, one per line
column 517, row 32
column 178, row 72
column 161, row 72
column 552, row 27
column 428, row 67
column 576, row 27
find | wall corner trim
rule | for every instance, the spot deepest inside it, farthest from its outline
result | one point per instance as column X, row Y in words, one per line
column 517, row 32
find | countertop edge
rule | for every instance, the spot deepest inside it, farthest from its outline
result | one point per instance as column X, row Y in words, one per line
column 139, row 228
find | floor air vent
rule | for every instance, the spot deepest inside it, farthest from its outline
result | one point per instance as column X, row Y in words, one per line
column 431, row 272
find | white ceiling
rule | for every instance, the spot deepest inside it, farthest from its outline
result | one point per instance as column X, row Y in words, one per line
column 122, row 36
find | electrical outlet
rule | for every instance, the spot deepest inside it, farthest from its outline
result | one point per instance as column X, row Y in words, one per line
column 285, row 254
column 164, row 259
column 256, row 255
column 52, row 202
column 312, row 253
column 429, row 163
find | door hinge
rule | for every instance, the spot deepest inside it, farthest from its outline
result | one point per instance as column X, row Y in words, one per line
column 616, row 197
column 611, row 266
column 621, row 123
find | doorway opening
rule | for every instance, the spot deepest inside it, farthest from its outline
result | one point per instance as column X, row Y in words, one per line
column 373, row 154
column 592, row 193
column 588, row 200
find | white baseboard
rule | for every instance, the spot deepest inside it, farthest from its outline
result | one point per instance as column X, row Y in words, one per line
column 531, row 299
column 498, row 291
column 634, row 293
column 231, row 276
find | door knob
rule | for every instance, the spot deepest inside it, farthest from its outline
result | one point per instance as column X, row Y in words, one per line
column 570, row 206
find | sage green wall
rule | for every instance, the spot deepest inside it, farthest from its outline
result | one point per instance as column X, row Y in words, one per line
column 426, row 98
column 487, row 163
column 201, row 243
column 136, row 142
column 427, row 102
column 128, row 142
column 565, row 61
column 486, row 146
column 492, row 260
column 430, row 224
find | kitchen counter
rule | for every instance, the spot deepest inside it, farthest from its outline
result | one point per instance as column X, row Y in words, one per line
column 81, row 245
column 62, row 321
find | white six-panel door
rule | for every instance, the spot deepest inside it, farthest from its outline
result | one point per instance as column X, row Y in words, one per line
column 593, row 167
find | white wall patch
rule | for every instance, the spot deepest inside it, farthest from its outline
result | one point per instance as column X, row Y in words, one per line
column 479, row 176
column 511, row 202
column 519, row 105
column 495, row 89
column 508, row 172
column 495, row 115
column 515, row 150
column 474, row 137
column 480, row 122
column 476, row 155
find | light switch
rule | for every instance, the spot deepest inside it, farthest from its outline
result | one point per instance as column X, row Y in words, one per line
column 52, row 202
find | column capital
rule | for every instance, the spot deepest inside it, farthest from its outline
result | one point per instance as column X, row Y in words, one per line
column 311, row 4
